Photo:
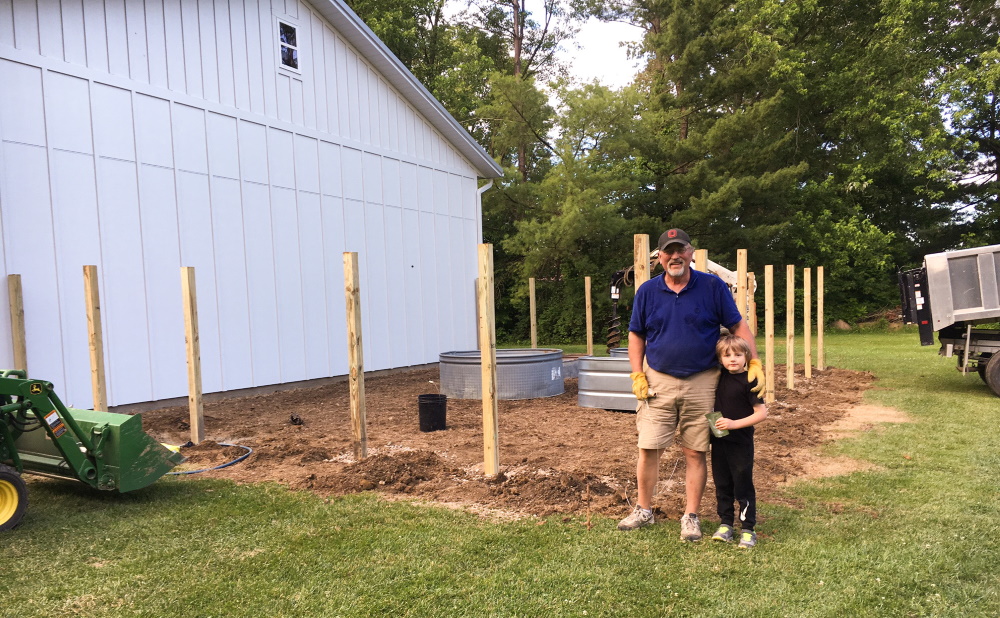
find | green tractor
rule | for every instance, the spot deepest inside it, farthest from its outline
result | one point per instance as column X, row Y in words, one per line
column 39, row 435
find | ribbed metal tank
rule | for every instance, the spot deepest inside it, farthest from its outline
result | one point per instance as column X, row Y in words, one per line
column 522, row 373
column 604, row 383
column 618, row 352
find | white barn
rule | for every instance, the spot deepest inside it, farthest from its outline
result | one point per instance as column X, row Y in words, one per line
column 255, row 140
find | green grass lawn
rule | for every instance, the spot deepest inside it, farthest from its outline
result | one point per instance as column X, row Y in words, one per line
column 919, row 536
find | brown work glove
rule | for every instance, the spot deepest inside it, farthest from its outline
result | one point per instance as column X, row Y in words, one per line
column 639, row 385
column 756, row 372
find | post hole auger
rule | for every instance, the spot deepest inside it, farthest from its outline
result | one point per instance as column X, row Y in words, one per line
column 39, row 435
column 620, row 278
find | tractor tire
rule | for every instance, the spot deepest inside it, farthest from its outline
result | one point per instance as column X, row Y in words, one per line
column 991, row 375
column 13, row 498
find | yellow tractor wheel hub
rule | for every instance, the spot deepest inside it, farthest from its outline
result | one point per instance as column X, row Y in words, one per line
column 9, row 501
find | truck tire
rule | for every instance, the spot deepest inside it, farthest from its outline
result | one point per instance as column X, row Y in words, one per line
column 13, row 498
column 991, row 375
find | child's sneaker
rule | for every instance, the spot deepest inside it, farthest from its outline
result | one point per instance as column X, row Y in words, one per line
column 638, row 518
column 724, row 534
column 747, row 539
column 690, row 527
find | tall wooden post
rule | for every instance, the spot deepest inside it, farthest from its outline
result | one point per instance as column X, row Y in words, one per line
column 488, row 354
column 534, row 320
column 769, row 333
column 95, row 337
column 640, row 252
column 820, row 324
column 752, row 302
column 196, row 408
column 790, row 325
column 807, row 320
column 18, row 339
column 355, row 355
column 590, row 316
column 741, row 283
column 701, row 260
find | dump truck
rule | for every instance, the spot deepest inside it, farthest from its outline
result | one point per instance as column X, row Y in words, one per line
column 956, row 294
column 39, row 435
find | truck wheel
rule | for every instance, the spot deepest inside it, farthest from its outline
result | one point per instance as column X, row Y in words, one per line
column 981, row 367
column 992, row 374
column 13, row 498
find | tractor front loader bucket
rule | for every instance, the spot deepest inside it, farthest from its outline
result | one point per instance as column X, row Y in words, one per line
column 130, row 459
column 39, row 435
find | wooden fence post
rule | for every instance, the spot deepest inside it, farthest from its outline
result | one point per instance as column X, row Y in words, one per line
column 534, row 320
column 590, row 316
column 790, row 325
column 19, row 341
column 196, row 409
column 807, row 320
column 769, row 333
column 701, row 260
column 98, row 383
column 741, row 283
column 820, row 325
column 752, row 302
column 355, row 355
column 640, row 254
column 488, row 355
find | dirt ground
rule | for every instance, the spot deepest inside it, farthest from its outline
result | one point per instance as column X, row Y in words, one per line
column 556, row 458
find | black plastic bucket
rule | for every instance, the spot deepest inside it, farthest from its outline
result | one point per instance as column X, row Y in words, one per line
column 432, row 411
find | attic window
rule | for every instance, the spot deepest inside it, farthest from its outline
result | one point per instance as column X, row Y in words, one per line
column 288, row 43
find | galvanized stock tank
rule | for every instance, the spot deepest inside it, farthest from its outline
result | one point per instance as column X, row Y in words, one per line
column 604, row 382
column 522, row 373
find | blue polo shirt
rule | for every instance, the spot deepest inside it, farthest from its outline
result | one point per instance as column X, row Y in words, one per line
column 682, row 328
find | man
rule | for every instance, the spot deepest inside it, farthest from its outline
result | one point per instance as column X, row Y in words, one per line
column 674, row 328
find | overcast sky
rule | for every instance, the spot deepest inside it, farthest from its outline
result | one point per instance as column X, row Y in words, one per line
column 600, row 54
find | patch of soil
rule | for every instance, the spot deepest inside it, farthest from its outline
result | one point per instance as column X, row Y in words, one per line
column 555, row 456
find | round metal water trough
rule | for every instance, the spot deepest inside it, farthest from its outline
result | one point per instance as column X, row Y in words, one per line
column 522, row 373
column 604, row 382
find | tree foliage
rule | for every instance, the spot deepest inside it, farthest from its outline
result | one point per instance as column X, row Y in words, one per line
column 857, row 135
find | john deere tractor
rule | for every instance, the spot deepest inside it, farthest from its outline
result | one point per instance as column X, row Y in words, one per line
column 39, row 435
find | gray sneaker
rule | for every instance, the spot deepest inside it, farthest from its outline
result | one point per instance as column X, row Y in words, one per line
column 748, row 538
column 638, row 518
column 724, row 534
column 690, row 528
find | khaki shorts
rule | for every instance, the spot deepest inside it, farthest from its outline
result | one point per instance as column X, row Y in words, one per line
column 680, row 405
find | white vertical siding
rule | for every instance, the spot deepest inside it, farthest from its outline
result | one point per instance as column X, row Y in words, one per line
column 161, row 263
column 156, row 43
column 32, row 255
column 332, row 213
column 146, row 136
column 396, row 323
column 260, row 284
column 7, row 23
column 74, row 197
column 123, row 304
column 230, row 260
column 288, row 283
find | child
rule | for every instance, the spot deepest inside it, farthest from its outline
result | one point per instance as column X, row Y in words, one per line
column 732, row 454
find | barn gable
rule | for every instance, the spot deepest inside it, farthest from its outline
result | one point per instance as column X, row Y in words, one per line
column 142, row 137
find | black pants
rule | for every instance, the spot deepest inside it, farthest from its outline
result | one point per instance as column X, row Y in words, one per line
column 732, row 472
